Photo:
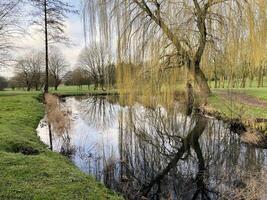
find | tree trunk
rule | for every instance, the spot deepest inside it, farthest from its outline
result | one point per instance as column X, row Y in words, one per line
column 96, row 86
column 216, row 82
column 200, row 79
column 244, row 80
column 215, row 78
column 28, row 85
column 56, row 86
column 46, row 49
column 260, row 77
column 251, row 78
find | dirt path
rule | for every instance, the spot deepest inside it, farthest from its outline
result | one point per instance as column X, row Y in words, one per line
column 243, row 98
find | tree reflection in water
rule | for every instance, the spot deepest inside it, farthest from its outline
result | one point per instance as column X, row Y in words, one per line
column 159, row 153
column 97, row 110
column 156, row 142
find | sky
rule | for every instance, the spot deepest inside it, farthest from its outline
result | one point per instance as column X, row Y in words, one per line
column 34, row 40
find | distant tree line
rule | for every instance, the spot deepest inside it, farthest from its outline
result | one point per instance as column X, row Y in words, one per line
column 30, row 70
column 93, row 68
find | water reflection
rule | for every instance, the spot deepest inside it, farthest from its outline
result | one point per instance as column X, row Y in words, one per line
column 158, row 154
column 97, row 111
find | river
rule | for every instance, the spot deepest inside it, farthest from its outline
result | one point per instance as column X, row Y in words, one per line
column 159, row 153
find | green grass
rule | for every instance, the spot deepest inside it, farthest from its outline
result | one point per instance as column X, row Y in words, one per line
column 47, row 175
column 234, row 109
column 254, row 91
column 260, row 93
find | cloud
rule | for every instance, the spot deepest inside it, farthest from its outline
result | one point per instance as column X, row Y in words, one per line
column 75, row 31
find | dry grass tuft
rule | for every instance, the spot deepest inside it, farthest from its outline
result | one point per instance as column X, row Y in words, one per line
column 252, row 188
column 251, row 138
column 57, row 117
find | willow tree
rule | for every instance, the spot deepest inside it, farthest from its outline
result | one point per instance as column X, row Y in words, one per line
column 241, row 50
column 179, row 26
column 257, row 36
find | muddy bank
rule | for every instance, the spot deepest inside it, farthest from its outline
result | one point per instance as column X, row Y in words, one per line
column 251, row 132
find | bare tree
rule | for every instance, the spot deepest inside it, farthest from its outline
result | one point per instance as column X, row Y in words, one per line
column 57, row 66
column 24, row 69
column 76, row 77
column 9, row 28
column 30, row 67
column 95, row 61
column 37, row 63
column 51, row 17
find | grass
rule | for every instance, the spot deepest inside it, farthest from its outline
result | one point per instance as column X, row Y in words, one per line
column 233, row 109
column 260, row 93
column 254, row 91
column 47, row 175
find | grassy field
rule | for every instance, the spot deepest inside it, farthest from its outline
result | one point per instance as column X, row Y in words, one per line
column 235, row 109
column 44, row 175
column 260, row 93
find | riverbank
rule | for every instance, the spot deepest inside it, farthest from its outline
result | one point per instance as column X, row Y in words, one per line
column 28, row 170
column 65, row 91
column 245, row 108
column 249, row 107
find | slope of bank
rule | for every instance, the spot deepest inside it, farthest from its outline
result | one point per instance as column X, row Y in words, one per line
column 245, row 113
column 28, row 170
column 64, row 91
column 238, row 105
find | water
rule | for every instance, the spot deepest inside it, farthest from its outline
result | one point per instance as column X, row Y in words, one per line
column 160, row 154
